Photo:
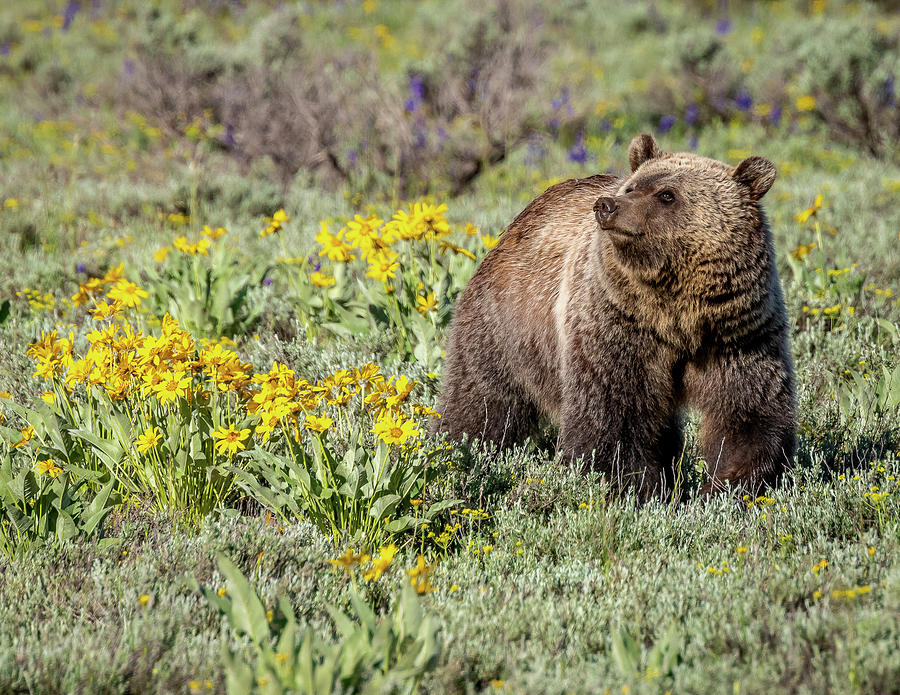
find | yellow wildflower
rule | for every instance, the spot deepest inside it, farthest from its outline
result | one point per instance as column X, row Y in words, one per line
column 425, row 304
column 87, row 290
column 148, row 439
column 393, row 431
column 319, row 279
column 128, row 293
column 381, row 563
column 161, row 254
column 382, row 265
column 27, row 434
column 318, row 424
column 333, row 245
column 363, row 232
column 489, row 241
column 274, row 223
column 445, row 245
column 349, row 558
column 419, row 577
column 172, row 385
column 192, row 249
column 104, row 310
column 214, row 233
column 806, row 102
column 49, row 467
column 230, row 440
column 802, row 217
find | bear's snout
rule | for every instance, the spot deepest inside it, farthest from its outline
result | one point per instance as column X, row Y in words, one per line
column 605, row 209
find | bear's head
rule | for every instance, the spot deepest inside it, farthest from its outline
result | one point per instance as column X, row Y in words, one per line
column 681, row 209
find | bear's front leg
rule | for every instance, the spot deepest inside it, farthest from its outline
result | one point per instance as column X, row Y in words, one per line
column 619, row 412
column 748, row 410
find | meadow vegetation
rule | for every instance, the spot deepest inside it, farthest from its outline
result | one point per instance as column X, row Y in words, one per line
column 234, row 235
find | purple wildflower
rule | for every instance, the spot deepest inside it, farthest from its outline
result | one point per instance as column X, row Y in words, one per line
column 227, row 138
column 890, row 95
column 128, row 66
column 80, row 268
column 666, row 123
column 743, row 100
column 693, row 143
column 723, row 26
column 4, row 49
column 775, row 114
column 557, row 104
column 691, row 112
column 416, row 94
column 417, row 88
column 71, row 10
column 268, row 282
column 352, row 157
column 578, row 152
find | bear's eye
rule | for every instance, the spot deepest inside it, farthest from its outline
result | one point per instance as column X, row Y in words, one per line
column 666, row 197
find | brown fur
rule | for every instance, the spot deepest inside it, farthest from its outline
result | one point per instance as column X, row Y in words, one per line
column 609, row 310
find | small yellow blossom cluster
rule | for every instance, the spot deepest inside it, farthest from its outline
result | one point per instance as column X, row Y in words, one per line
column 281, row 397
column 475, row 514
column 374, row 567
column 162, row 374
column 819, row 566
column 274, row 223
column 191, row 248
column 120, row 292
column 715, row 571
column 444, row 538
column 420, row 576
column 38, row 301
column 883, row 292
column 377, row 565
column 876, row 495
column 762, row 500
column 373, row 239
column 126, row 363
column 851, row 593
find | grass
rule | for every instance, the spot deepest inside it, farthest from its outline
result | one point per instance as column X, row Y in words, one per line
column 123, row 128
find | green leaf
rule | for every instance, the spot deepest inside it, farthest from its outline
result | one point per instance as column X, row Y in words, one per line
column 109, row 452
column 247, row 613
column 626, row 652
column 97, row 510
column 65, row 526
column 384, row 506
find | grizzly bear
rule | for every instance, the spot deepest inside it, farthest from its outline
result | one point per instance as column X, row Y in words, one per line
column 612, row 304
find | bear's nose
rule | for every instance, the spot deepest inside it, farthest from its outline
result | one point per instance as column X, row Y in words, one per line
column 604, row 209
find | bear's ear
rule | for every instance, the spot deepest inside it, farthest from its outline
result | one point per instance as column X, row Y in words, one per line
column 757, row 174
column 642, row 148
